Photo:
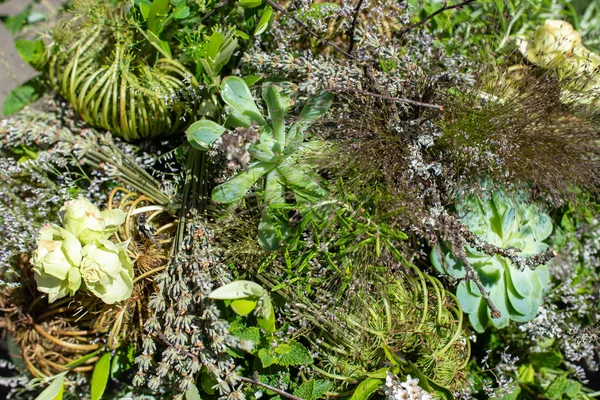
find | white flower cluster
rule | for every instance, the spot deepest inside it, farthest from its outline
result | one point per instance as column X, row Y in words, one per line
column 408, row 390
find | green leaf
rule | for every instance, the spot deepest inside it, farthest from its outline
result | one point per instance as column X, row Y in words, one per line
column 237, row 290
column 158, row 12
column 193, row 394
column 263, row 23
column 267, row 357
column 84, row 359
column 314, row 108
column 100, row 376
column 236, row 94
column 243, row 307
column 123, row 360
column 208, row 381
column 557, row 387
column 266, row 320
column 392, row 357
column 313, row 389
column 549, row 359
column 277, row 109
column 182, row 11
column 250, row 3
column 144, row 6
column 237, row 188
column 252, row 79
column 297, row 355
column 214, row 44
column 224, row 53
column 54, row 391
column 272, row 230
column 527, row 374
column 202, row 134
column 513, row 395
column 160, row 45
column 366, row 388
column 265, row 149
column 573, row 388
column 23, row 95
column 32, row 51
column 305, row 188
column 16, row 22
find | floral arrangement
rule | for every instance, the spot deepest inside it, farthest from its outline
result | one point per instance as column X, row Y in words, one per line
column 302, row 200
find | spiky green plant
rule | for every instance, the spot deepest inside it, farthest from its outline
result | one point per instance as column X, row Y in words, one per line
column 115, row 78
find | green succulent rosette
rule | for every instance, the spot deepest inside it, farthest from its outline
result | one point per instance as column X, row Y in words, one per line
column 505, row 222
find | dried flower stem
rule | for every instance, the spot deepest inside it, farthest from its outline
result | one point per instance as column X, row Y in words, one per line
column 531, row 262
column 280, row 392
column 394, row 99
column 353, row 27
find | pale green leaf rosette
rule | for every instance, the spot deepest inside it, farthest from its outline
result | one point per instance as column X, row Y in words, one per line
column 503, row 221
column 87, row 222
column 56, row 262
column 107, row 270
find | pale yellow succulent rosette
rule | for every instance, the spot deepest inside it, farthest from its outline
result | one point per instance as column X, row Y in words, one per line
column 558, row 46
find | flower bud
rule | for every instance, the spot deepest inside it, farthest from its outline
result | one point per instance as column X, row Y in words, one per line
column 84, row 220
column 56, row 262
column 107, row 270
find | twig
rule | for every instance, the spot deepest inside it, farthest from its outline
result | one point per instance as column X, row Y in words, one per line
column 307, row 29
column 427, row 18
column 390, row 98
column 280, row 392
column 353, row 27
column 459, row 252
column 531, row 262
column 213, row 10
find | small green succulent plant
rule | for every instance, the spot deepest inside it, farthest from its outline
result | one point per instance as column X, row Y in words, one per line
column 276, row 157
column 504, row 221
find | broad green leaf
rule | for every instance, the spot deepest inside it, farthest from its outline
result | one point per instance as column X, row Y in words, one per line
column 392, row 357
column 263, row 23
column 237, row 290
column 273, row 189
column 267, row 318
column 527, row 374
column 100, row 376
column 314, row 108
column 202, row 134
column 250, row 3
column 237, row 187
column 23, row 95
column 32, row 51
column 244, row 307
column 313, row 389
column 241, row 34
column 192, row 393
column 236, row 94
column 573, row 388
column 214, row 44
column 277, row 109
column 366, row 388
column 158, row 12
column 54, row 391
column 252, row 79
